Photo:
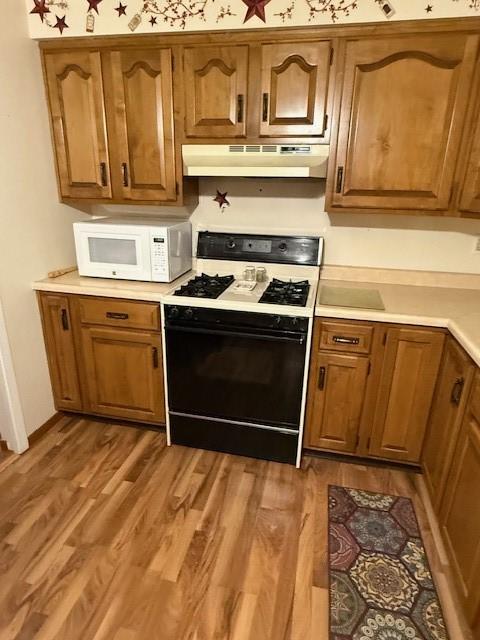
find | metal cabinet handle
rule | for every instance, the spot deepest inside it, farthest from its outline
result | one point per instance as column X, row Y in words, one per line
column 345, row 340
column 457, row 391
column 339, row 180
column 117, row 316
column 103, row 174
column 125, row 174
column 240, row 101
column 321, row 378
column 65, row 325
column 155, row 357
column 265, row 108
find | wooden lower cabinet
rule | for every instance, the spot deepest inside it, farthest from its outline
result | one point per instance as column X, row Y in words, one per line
column 407, row 381
column 105, row 356
column 381, row 417
column 451, row 393
column 124, row 373
column 337, row 390
column 460, row 511
column 62, row 361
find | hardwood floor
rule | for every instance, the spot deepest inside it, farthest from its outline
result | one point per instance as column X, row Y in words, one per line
column 108, row 534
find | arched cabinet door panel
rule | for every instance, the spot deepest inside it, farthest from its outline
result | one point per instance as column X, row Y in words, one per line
column 295, row 79
column 215, row 91
column 402, row 112
column 75, row 91
column 145, row 150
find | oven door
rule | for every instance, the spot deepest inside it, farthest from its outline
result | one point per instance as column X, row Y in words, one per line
column 243, row 376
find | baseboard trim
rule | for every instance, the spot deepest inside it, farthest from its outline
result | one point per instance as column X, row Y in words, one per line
column 46, row 426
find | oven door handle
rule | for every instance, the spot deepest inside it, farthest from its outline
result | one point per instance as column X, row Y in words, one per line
column 298, row 339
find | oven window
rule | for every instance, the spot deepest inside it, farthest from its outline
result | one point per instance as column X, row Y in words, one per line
column 112, row 250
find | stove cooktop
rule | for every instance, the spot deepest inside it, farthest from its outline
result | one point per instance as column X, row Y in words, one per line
column 205, row 286
column 282, row 292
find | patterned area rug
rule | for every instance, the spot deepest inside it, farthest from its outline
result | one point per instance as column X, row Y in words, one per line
column 381, row 587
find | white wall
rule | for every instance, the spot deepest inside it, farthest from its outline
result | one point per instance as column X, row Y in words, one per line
column 35, row 230
column 298, row 206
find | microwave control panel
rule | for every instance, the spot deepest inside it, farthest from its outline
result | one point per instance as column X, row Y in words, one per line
column 159, row 249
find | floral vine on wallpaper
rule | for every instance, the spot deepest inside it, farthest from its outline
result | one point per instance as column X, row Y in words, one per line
column 177, row 13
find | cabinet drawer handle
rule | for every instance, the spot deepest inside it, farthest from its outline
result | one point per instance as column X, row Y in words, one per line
column 65, row 325
column 339, row 180
column 265, row 108
column 117, row 316
column 457, row 390
column 321, row 378
column 345, row 340
column 125, row 174
column 240, row 101
column 155, row 357
column 103, row 173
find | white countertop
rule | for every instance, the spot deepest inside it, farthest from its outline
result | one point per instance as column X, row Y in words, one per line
column 455, row 309
column 452, row 308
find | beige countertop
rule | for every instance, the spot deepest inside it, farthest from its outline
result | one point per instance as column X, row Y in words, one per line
column 456, row 309
column 108, row 287
column 452, row 308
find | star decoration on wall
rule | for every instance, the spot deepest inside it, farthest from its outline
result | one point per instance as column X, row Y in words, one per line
column 60, row 24
column 255, row 8
column 93, row 4
column 40, row 8
column 153, row 20
column 121, row 9
column 221, row 198
column 429, row 8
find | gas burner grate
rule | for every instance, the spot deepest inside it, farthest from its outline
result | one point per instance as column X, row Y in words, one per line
column 205, row 286
column 282, row 292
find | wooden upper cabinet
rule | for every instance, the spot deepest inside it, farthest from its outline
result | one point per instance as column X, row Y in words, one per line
column 451, row 393
column 59, row 343
column 470, row 193
column 402, row 112
column 409, row 372
column 75, row 88
column 295, row 78
column 143, row 112
column 215, row 81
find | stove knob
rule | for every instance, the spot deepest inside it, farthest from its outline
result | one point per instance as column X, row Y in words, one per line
column 277, row 320
column 283, row 247
column 294, row 322
column 231, row 243
column 173, row 312
column 188, row 313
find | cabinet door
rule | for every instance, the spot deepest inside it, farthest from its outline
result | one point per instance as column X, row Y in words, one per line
column 75, row 90
column 294, row 88
column 447, row 411
column 460, row 516
column 409, row 372
column 470, row 194
column 336, row 395
column 124, row 373
column 145, row 152
column 402, row 114
column 57, row 329
column 215, row 91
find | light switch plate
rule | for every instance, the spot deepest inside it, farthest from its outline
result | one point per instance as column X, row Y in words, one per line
column 386, row 8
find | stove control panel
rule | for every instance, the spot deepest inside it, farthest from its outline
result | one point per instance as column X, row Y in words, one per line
column 298, row 250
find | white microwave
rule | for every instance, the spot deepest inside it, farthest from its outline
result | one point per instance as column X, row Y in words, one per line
column 133, row 248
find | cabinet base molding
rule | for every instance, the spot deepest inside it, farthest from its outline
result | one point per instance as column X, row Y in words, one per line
column 352, row 458
column 46, row 426
column 125, row 422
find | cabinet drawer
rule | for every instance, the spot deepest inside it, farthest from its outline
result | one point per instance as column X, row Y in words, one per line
column 119, row 313
column 342, row 336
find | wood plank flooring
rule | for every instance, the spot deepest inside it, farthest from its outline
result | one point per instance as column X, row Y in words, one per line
column 106, row 533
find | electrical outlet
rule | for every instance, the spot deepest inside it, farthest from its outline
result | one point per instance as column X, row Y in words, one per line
column 477, row 245
column 386, row 8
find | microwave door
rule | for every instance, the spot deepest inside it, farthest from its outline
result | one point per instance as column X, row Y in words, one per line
column 114, row 255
